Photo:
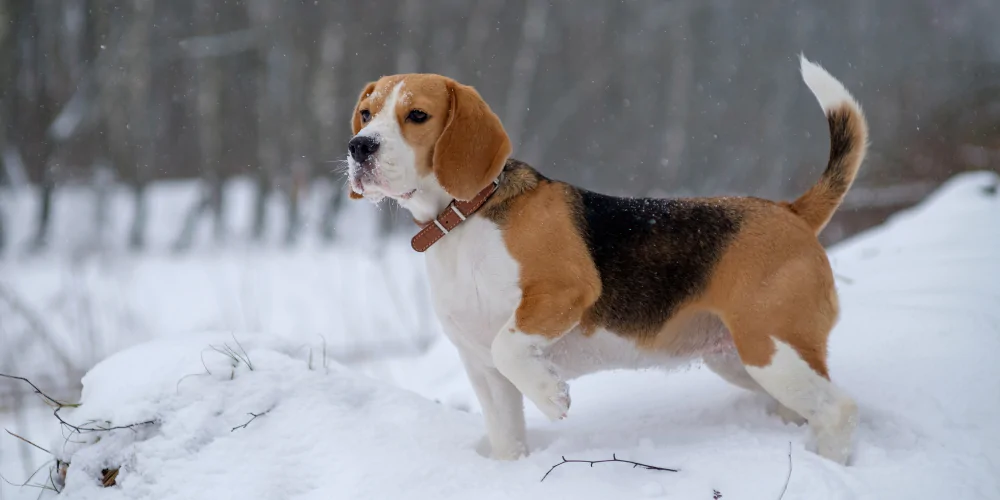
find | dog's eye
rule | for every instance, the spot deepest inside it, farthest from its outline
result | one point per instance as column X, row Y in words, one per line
column 365, row 115
column 417, row 116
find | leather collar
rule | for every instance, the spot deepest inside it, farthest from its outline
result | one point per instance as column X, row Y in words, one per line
column 454, row 214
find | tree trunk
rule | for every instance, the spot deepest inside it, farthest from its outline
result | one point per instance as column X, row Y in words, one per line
column 326, row 114
column 137, row 60
column 272, row 92
column 208, row 106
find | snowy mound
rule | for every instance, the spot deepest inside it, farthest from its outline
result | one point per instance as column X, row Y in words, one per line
column 916, row 346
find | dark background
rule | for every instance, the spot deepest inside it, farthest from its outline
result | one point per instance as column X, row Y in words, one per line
column 677, row 97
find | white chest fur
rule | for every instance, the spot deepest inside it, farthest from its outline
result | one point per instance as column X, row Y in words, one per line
column 474, row 282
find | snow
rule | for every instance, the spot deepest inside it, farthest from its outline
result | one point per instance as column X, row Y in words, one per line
column 94, row 307
column 914, row 346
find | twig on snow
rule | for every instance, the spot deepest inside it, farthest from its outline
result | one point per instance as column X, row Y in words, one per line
column 27, row 482
column 38, row 391
column 80, row 429
column 246, row 357
column 253, row 416
column 238, row 357
column 29, row 442
column 59, row 405
column 614, row 458
column 789, row 477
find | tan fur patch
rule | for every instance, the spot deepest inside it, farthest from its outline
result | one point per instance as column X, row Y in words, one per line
column 557, row 276
column 774, row 282
column 472, row 148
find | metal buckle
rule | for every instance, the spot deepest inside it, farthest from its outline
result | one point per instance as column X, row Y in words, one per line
column 457, row 212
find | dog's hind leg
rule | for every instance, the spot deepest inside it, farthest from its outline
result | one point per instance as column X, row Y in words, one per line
column 832, row 414
column 727, row 365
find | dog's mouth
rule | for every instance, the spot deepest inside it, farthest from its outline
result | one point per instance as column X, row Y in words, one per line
column 367, row 180
column 376, row 188
column 356, row 185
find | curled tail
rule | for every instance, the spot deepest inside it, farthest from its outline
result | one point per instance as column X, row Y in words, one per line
column 848, row 143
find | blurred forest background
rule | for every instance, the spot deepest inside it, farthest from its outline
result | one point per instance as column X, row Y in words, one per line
column 650, row 97
column 172, row 166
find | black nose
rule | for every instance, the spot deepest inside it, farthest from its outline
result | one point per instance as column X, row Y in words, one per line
column 362, row 147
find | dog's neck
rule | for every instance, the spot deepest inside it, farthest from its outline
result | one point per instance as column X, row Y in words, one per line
column 451, row 217
column 429, row 200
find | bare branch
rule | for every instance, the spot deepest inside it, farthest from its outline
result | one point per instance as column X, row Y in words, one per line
column 79, row 429
column 49, row 400
column 253, row 416
column 27, row 482
column 789, row 477
column 26, row 441
column 614, row 458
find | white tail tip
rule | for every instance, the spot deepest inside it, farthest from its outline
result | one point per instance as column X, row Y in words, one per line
column 828, row 90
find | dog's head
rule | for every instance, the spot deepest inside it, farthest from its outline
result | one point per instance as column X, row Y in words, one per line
column 423, row 139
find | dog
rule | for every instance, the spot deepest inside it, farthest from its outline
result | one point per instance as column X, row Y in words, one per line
column 537, row 282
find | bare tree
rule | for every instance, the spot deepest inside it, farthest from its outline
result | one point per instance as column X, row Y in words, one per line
column 209, row 87
column 32, row 105
column 271, row 105
column 137, row 57
column 7, row 47
column 327, row 109
column 679, row 97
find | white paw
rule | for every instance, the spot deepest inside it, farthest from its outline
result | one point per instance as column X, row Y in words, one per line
column 551, row 396
column 521, row 359
column 834, row 439
column 831, row 448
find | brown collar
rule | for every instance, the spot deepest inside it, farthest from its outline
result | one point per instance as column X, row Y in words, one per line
column 454, row 214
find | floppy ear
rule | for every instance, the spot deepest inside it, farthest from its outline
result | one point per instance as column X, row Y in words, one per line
column 356, row 127
column 356, row 117
column 472, row 148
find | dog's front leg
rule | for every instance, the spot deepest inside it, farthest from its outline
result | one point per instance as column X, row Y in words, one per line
column 503, row 410
column 519, row 352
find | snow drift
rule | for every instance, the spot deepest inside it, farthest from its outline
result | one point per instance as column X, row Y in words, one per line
column 916, row 346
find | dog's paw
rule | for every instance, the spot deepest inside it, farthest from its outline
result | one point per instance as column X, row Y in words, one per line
column 552, row 398
column 834, row 434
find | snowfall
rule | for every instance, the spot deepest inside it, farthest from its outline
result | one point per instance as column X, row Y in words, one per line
column 252, row 413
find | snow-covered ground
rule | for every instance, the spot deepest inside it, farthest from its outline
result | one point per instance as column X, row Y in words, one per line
column 110, row 299
column 915, row 346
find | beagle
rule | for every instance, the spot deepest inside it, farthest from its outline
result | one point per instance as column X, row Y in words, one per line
column 537, row 282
